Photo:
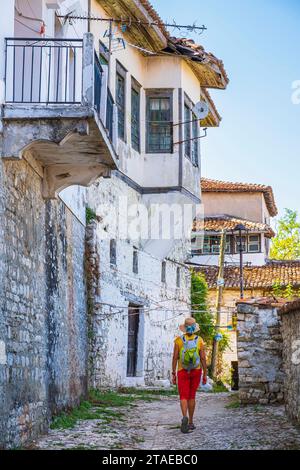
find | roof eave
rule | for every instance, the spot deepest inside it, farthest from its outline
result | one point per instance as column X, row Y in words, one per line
column 213, row 119
column 154, row 38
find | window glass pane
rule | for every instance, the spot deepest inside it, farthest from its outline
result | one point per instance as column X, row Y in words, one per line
column 135, row 119
column 187, row 131
column 254, row 243
column 154, row 104
column 120, row 101
column 159, row 127
column 103, row 54
column 244, row 244
column 254, row 248
column 163, row 271
column 195, row 143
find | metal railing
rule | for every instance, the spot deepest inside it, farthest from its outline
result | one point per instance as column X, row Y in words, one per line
column 45, row 71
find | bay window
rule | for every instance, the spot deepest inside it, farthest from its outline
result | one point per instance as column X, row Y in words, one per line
column 159, row 122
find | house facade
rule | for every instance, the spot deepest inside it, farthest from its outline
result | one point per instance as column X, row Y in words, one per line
column 98, row 138
column 227, row 205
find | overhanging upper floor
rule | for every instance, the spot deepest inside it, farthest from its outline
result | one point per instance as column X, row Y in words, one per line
column 58, row 111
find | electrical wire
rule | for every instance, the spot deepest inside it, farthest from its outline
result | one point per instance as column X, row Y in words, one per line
column 26, row 26
column 28, row 17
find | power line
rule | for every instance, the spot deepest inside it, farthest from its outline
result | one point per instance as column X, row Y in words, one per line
column 128, row 22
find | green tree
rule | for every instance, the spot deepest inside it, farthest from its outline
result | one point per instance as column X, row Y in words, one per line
column 200, row 308
column 286, row 244
column 206, row 319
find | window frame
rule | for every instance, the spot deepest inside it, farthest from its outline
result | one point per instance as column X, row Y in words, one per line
column 191, row 137
column 163, row 94
column 103, row 53
column 121, row 72
column 164, row 272
column 136, row 88
column 178, row 278
column 187, row 113
column 113, row 252
column 135, row 261
column 195, row 143
column 258, row 242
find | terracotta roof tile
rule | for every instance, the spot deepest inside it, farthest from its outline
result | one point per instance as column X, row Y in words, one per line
column 256, row 277
column 209, row 69
column 153, row 13
column 213, row 186
column 227, row 222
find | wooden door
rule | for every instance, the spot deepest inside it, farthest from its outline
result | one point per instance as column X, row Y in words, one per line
column 133, row 330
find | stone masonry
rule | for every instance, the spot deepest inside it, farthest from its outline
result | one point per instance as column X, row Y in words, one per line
column 291, row 357
column 259, row 343
column 43, row 339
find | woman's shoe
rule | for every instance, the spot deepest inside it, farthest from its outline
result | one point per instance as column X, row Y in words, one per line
column 184, row 425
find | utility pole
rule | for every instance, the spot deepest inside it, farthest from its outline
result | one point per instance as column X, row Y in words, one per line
column 220, row 287
column 240, row 229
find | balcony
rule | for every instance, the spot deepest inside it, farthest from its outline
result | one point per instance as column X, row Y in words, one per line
column 58, row 112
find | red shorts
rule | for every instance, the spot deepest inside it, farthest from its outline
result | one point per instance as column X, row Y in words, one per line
column 188, row 383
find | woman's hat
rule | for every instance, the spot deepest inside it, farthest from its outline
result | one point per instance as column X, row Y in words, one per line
column 190, row 321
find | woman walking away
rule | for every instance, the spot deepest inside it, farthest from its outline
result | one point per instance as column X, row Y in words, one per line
column 188, row 356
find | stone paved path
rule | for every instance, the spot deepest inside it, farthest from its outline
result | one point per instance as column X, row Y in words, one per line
column 155, row 425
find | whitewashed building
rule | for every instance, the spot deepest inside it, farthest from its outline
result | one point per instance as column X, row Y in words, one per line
column 142, row 287
column 97, row 114
column 227, row 205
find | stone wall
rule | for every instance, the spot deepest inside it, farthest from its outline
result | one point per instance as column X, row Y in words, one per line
column 43, row 340
column 259, row 343
column 291, row 357
column 113, row 287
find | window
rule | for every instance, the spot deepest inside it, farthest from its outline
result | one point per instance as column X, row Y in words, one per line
column 163, row 271
column 120, row 99
column 212, row 245
column 254, row 244
column 178, row 277
column 195, row 143
column 103, row 54
column 187, row 131
column 135, row 264
column 113, row 252
column 244, row 244
column 135, row 116
column 159, row 123
column 228, row 245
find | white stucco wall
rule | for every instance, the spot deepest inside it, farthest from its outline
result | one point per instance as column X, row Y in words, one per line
column 245, row 205
column 6, row 30
column 165, row 306
column 256, row 259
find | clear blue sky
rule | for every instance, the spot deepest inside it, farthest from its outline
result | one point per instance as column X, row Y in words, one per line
column 259, row 137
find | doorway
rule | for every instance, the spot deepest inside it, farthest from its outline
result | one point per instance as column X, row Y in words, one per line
column 234, row 375
column 133, row 334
